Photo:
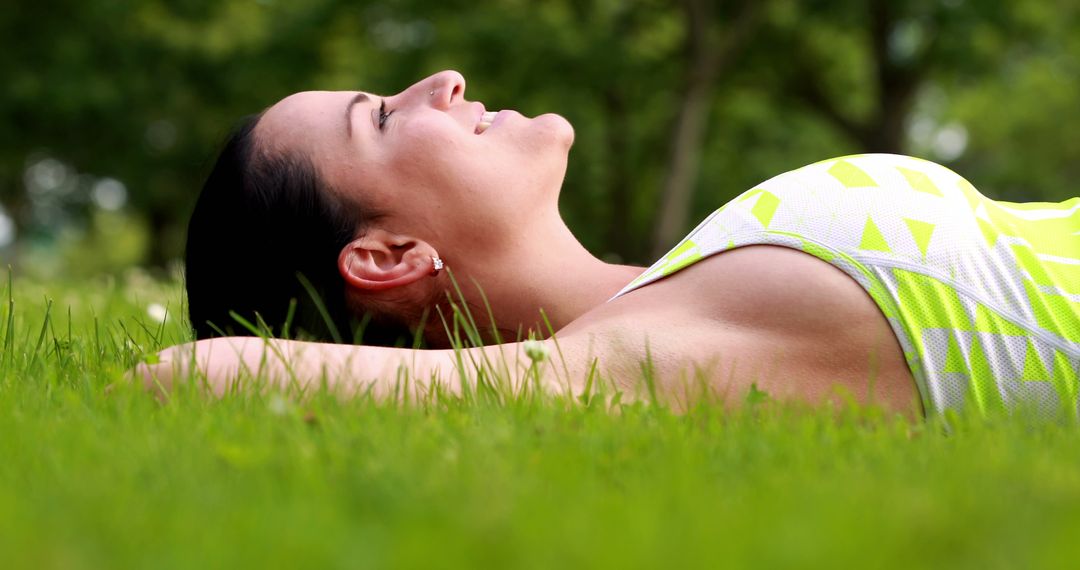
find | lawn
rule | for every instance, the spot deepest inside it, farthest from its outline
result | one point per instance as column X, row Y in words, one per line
column 94, row 473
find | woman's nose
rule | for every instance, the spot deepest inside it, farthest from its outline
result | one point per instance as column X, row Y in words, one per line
column 445, row 88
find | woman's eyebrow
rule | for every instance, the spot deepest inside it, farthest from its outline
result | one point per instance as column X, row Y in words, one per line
column 358, row 98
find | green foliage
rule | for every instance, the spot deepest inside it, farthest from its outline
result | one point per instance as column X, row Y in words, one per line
column 144, row 90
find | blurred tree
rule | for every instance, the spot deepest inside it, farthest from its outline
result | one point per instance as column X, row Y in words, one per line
column 921, row 76
column 143, row 91
column 860, row 64
column 1021, row 109
column 714, row 39
column 678, row 104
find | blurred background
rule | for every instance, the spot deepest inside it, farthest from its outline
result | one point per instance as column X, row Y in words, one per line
column 112, row 110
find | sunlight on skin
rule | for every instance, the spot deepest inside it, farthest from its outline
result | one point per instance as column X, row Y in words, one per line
column 347, row 370
column 642, row 344
column 227, row 364
column 577, row 366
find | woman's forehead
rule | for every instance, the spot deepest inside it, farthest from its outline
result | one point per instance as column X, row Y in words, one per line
column 306, row 117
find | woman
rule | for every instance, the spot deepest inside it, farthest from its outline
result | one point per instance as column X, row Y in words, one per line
column 886, row 278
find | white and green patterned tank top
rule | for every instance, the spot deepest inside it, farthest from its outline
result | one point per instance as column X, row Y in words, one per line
column 983, row 296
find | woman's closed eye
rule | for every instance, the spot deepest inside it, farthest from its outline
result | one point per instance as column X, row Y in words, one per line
column 383, row 114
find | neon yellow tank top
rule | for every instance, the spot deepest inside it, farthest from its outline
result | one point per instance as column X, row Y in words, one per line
column 983, row 296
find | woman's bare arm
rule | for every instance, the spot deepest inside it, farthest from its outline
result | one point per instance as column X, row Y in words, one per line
column 747, row 325
column 347, row 369
column 612, row 350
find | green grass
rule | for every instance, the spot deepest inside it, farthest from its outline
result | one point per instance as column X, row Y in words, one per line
column 96, row 474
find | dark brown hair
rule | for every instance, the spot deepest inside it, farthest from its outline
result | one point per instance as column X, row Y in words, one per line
column 263, row 243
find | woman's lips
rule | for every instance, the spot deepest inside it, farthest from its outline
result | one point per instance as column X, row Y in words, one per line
column 486, row 119
column 494, row 119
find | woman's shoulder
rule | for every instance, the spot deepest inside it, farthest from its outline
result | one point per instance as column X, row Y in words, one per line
column 778, row 316
column 758, row 286
column 753, row 287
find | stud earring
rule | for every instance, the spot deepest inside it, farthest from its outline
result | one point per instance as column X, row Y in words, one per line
column 436, row 265
column 431, row 93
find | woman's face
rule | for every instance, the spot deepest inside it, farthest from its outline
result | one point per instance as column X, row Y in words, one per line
column 441, row 167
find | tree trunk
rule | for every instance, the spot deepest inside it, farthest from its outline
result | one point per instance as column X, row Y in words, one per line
column 686, row 142
column 619, row 238
column 896, row 83
column 708, row 51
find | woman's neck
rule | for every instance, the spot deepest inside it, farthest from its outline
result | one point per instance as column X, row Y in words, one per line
column 555, row 275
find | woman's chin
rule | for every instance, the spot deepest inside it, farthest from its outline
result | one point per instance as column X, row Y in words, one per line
column 557, row 126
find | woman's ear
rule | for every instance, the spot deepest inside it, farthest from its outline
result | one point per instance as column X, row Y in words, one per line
column 383, row 260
